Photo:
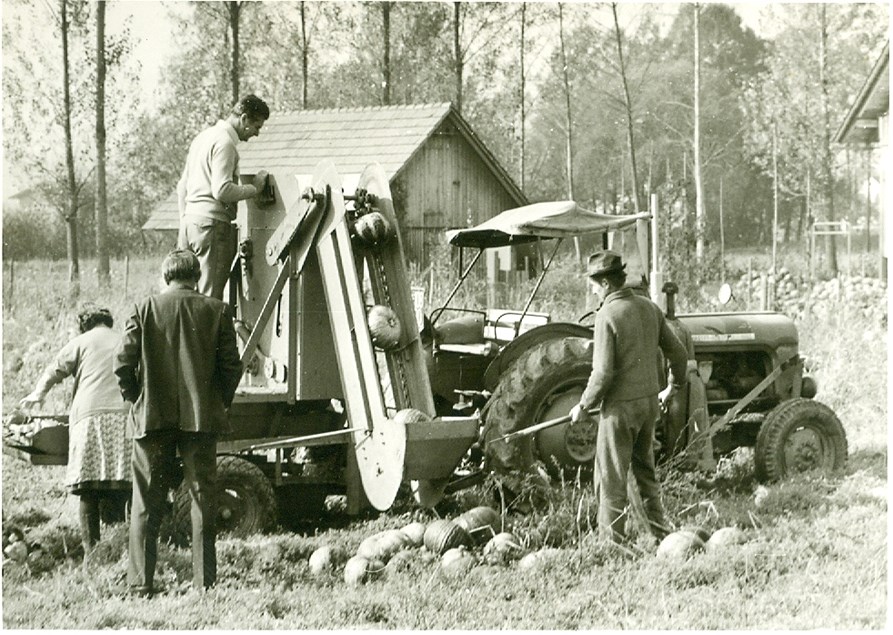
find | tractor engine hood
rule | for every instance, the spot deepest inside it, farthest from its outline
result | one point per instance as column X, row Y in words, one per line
column 741, row 330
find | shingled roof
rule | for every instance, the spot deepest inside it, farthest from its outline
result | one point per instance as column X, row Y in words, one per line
column 352, row 138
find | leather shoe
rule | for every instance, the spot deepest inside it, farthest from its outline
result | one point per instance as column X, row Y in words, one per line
column 141, row 591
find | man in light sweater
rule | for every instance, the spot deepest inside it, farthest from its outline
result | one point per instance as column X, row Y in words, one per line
column 209, row 190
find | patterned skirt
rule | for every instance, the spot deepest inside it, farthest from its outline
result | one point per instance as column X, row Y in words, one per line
column 99, row 453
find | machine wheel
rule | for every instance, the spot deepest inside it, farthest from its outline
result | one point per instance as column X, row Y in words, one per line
column 544, row 383
column 246, row 502
column 799, row 435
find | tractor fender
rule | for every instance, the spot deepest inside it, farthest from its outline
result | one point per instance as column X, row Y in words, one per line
column 524, row 342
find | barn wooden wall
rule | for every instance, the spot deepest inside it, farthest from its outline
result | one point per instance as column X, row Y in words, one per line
column 446, row 185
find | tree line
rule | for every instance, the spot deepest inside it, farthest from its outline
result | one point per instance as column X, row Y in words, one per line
column 604, row 103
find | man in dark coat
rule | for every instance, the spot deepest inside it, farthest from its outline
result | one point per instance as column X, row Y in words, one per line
column 178, row 365
column 626, row 379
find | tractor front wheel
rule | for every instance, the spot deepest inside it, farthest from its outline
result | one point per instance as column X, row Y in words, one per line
column 797, row 436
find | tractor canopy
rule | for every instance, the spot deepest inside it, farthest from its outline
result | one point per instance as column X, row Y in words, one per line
column 551, row 219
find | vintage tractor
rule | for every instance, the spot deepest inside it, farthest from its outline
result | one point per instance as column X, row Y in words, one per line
column 747, row 385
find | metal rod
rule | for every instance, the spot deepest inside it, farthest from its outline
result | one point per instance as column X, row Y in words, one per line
column 302, row 439
column 456, row 287
column 537, row 286
column 523, row 432
column 732, row 412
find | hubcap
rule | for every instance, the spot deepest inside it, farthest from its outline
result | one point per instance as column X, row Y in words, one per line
column 806, row 449
column 567, row 444
column 230, row 509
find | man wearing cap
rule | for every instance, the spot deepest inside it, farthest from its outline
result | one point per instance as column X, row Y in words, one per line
column 626, row 379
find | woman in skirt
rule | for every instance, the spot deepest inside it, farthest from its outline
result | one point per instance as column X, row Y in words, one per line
column 98, row 448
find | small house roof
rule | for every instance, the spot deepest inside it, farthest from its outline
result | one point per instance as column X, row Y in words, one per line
column 352, row 138
column 873, row 101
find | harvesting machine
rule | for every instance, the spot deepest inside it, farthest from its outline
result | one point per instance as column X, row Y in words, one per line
column 335, row 398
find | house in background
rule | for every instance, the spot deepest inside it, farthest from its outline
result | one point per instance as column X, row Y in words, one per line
column 442, row 176
column 867, row 127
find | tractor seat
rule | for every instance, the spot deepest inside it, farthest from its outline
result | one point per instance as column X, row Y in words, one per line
column 461, row 330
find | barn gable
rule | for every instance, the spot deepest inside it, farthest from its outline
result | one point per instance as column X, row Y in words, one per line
column 393, row 136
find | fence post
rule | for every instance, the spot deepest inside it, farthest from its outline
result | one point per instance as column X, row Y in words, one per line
column 764, row 291
column 12, row 278
column 126, row 273
column 749, row 283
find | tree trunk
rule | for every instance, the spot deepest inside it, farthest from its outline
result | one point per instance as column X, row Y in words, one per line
column 570, row 123
column 305, row 55
column 827, row 156
column 629, row 113
column 235, row 9
column 457, row 53
column 523, row 90
column 102, row 247
column 569, row 146
column 386, row 71
column 700, row 215
column 71, row 214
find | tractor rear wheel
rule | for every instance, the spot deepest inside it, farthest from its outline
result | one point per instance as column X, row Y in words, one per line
column 797, row 436
column 246, row 502
column 543, row 384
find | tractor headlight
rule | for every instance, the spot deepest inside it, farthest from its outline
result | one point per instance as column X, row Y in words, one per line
column 808, row 388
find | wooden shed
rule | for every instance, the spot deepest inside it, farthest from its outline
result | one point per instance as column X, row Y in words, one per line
column 442, row 176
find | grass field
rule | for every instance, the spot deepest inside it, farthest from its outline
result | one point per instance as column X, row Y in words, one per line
column 816, row 554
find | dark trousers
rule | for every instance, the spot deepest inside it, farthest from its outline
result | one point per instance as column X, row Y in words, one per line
column 626, row 440
column 154, row 462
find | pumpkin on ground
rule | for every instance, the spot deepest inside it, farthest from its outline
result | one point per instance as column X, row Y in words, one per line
column 383, row 545
column 481, row 523
column 356, row 571
column 442, row 535
column 503, row 547
column 322, row 560
column 680, row 544
column 400, row 561
column 384, row 327
column 415, row 532
column 359, row 570
column 457, row 561
column 536, row 559
column 725, row 537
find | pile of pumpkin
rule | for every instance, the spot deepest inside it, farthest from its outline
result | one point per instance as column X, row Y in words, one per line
column 690, row 541
column 477, row 535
